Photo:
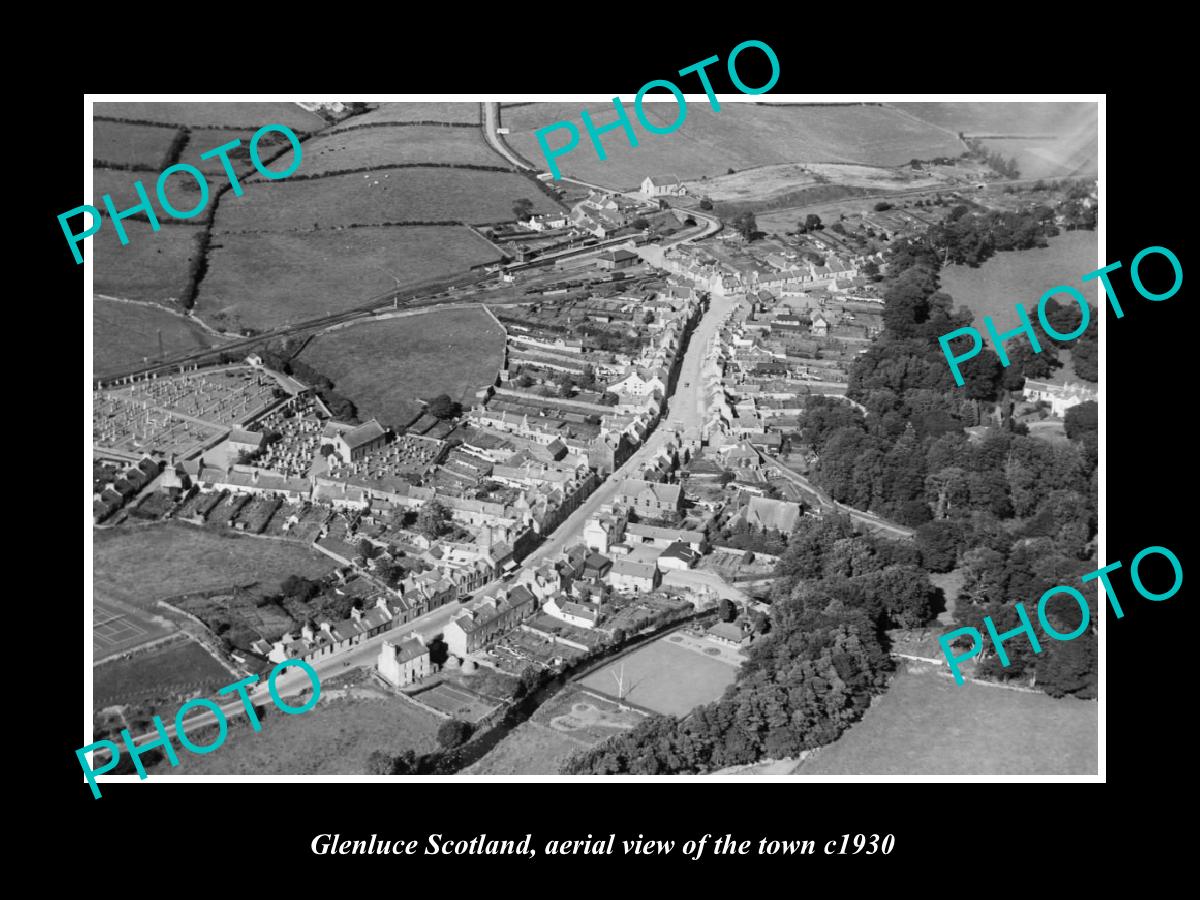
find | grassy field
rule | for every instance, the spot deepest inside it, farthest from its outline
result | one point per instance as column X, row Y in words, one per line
column 142, row 565
column 182, row 193
column 385, row 366
column 201, row 141
column 1002, row 117
column 709, row 143
column 124, row 334
column 769, row 182
column 1023, row 276
column 1050, row 158
column 926, row 725
column 529, row 749
column 153, row 266
column 123, row 144
column 416, row 112
column 664, row 678
column 395, row 195
column 264, row 280
column 334, row 738
column 176, row 668
column 375, row 147
column 216, row 114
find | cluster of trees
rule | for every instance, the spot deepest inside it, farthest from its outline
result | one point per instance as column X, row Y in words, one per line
column 443, row 407
column 340, row 407
column 812, row 222
column 745, row 225
column 808, row 679
column 971, row 238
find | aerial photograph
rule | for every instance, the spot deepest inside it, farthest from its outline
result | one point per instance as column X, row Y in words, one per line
column 411, row 458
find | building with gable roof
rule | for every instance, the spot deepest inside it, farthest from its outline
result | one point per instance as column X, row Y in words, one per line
column 649, row 498
column 483, row 620
column 662, row 186
column 405, row 661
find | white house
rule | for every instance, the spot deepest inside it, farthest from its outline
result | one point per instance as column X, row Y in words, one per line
column 1061, row 397
column 662, row 186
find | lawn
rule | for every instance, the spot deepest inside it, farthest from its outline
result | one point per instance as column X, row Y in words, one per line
column 384, row 366
column 926, row 725
column 177, row 668
column 1023, row 276
column 416, row 112
column 124, row 334
column 215, row 114
column 664, row 678
column 334, row 738
column 265, row 280
column 122, row 144
column 377, row 147
column 380, row 197
column 709, row 143
column 529, row 749
column 142, row 565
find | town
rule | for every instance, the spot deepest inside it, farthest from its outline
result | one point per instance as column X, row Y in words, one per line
column 592, row 536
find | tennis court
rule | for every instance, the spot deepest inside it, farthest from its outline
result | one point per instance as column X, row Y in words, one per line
column 116, row 628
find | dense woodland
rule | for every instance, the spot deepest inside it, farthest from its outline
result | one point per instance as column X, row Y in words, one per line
column 1017, row 514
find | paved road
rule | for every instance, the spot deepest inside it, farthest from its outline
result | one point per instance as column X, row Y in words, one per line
column 681, row 415
column 696, row 579
column 826, row 502
column 491, row 122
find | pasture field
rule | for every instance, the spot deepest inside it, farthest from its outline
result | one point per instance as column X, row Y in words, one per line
column 1023, row 276
column 1049, row 158
column 384, row 366
column 529, row 749
column 380, row 197
column 767, row 182
column 378, row 147
column 265, row 280
column 176, row 668
column 335, row 737
column 123, row 144
column 153, row 266
column 1002, row 117
column 203, row 140
column 926, row 725
column 216, row 114
column 709, row 143
column 124, row 334
column 415, row 112
column 141, row 565
column 665, row 678
column 182, row 192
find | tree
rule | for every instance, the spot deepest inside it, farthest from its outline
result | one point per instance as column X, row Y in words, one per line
column 726, row 610
column 746, row 225
column 522, row 208
column 705, row 203
column 379, row 763
column 1082, row 418
column 813, row 222
column 433, row 520
column 639, row 223
column 882, row 206
column 453, row 733
column 445, row 408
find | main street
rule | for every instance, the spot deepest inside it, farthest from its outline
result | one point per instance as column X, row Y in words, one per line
column 680, row 415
